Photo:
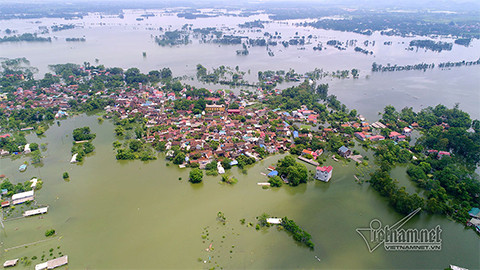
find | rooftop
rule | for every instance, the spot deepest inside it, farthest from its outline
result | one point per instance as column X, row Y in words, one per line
column 325, row 168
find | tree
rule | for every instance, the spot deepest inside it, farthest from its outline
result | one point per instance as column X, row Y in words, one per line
column 154, row 76
column 221, row 217
column 226, row 163
column 125, row 154
column 390, row 114
column 6, row 184
column 139, row 132
column 226, row 178
column 179, row 158
column 135, row 145
column 116, row 144
column 65, row 175
column 233, row 106
column 214, row 144
column 49, row 232
column 166, row 74
column 33, row 146
column 177, row 86
column 119, row 131
column 297, row 174
column 287, row 162
column 211, row 166
column 262, row 219
column 36, row 157
column 83, row 134
column 433, row 206
column 275, row 181
column 353, row 113
column 322, row 91
column 88, row 147
column 196, row 176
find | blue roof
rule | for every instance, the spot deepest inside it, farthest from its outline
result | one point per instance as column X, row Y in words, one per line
column 475, row 211
column 273, row 173
column 343, row 149
column 286, row 124
column 261, row 145
column 295, row 134
column 233, row 163
column 286, row 113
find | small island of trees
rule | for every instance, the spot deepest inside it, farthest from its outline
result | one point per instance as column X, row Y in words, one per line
column 82, row 144
column 431, row 45
column 196, row 176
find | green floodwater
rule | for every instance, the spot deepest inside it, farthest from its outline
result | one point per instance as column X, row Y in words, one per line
column 135, row 215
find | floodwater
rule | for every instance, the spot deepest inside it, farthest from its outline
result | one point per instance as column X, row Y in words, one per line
column 119, row 42
column 135, row 215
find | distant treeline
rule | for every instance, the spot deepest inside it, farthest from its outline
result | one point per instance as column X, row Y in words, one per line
column 422, row 66
column 171, row 38
column 459, row 64
column 229, row 40
column 208, row 31
column 25, row 37
column 388, row 67
column 254, row 24
column 61, row 27
column 294, row 41
column 463, row 41
column 366, row 22
column 194, row 15
column 337, row 44
column 358, row 49
column 75, row 39
column 431, row 45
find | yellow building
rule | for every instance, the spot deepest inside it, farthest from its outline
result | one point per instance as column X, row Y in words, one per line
column 215, row 108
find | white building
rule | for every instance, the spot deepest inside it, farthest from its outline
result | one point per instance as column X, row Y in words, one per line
column 22, row 197
column 324, row 173
column 220, row 169
column 27, row 150
column 52, row 263
column 35, row 212
column 274, row 220
column 34, row 182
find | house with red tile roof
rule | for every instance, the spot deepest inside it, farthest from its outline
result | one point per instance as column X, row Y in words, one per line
column 324, row 173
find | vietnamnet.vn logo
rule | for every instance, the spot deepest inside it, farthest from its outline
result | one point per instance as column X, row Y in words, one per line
column 393, row 237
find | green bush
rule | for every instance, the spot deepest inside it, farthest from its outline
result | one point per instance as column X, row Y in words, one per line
column 49, row 232
column 196, row 176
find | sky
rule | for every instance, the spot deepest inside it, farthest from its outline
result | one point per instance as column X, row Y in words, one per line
column 404, row 4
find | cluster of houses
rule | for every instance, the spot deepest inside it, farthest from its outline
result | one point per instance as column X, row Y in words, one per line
column 193, row 131
column 365, row 134
column 238, row 131
column 56, row 95
column 26, row 147
column 18, row 198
